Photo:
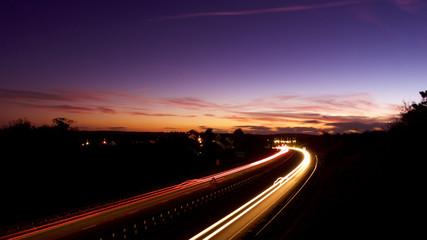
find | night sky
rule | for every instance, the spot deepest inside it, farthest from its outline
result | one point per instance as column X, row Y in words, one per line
column 295, row 66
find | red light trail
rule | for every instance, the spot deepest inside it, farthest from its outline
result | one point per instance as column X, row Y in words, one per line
column 121, row 209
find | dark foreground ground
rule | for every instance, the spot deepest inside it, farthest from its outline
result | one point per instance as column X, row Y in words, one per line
column 369, row 185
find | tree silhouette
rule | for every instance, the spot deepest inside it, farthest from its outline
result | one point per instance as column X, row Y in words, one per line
column 238, row 131
column 62, row 124
column 413, row 118
column 209, row 136
column 20, row 125
column 193, row 132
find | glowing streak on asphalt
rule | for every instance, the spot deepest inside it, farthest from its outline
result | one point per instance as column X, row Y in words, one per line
column 235, row 215
column 147, row 199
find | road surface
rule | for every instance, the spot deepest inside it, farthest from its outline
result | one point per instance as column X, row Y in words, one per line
column 109, row 216
column 241, row 220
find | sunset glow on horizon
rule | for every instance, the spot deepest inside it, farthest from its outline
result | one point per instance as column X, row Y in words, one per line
column 262, row 66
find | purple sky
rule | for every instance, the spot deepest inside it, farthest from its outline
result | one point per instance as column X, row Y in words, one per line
column 263, row 66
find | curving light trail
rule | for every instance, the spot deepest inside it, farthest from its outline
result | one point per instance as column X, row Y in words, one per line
column 234, row 223
column 282, row 150
column 121, row 209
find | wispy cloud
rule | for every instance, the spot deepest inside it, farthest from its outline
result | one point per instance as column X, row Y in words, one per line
column 260, row 11
column 320, row 108
column 67, row 108
column 339, row 127
column 373, row 15
column 305, row 130
column 354, row 126
column 411, row 6
column 256, row 129
column 11, row 94
column 70, row 101
column 65, row 95
column 192, row 103
column 160, row 114
column 301, row 118
column 86, row 102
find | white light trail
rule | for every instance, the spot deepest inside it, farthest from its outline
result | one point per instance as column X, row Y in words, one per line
column 220, row 225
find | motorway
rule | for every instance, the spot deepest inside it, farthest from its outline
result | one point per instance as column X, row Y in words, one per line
column 104, row 218
column 236, row 224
